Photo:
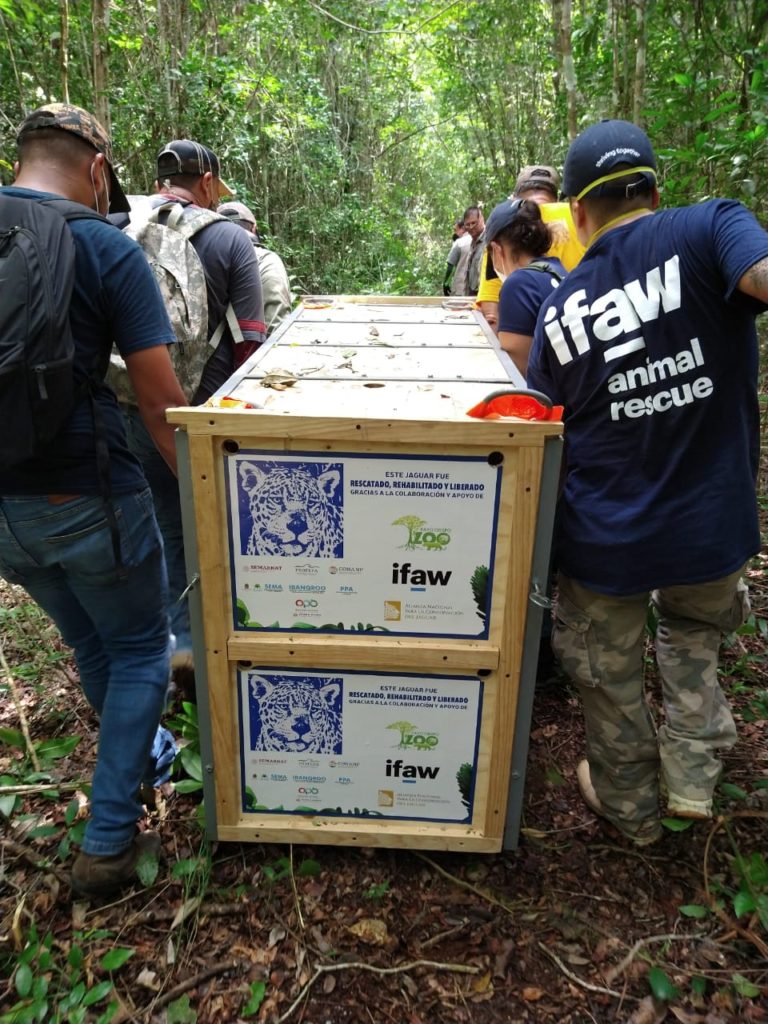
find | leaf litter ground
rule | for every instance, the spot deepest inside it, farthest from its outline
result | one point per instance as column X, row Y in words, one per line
column 574, row 926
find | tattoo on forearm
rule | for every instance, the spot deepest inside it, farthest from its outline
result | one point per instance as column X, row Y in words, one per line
column 757, row 279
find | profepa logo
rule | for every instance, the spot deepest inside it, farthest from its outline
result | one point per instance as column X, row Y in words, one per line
column 429, row 538
column 413, row 738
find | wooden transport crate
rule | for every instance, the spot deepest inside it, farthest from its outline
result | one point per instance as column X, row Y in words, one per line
column 368, row 569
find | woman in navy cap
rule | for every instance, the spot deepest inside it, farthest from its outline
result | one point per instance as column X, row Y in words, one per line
column 517, row 240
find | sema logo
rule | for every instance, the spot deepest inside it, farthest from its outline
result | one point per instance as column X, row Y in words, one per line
column 413, row 738
column 429, row 538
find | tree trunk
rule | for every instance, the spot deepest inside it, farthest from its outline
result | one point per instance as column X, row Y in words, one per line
column 641, row 37
column 64, row 48
column 561, row 10
column 100, row 22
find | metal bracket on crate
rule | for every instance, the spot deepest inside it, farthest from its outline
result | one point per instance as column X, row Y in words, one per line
column 538, row 596
column 190, row 586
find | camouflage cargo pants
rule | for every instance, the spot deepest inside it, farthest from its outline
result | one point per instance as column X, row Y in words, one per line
column 600, row 641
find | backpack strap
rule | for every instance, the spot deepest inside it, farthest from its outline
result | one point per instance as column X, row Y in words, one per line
column 75, row 211
column 545, row 267
column 229, row 320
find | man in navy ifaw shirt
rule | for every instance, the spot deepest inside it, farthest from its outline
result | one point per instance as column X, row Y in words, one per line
column 650, row 345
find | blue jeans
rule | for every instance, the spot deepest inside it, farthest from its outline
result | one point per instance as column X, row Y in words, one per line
column 62, row 555
column 165, row 493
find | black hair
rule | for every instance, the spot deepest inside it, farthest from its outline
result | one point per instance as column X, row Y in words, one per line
column 632, row 192
column 54, row 145
column 187, row 181
column 471, row 209
column 527, row 233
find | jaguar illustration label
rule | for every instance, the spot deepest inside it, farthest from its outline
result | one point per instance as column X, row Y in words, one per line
column 333, row 543
column 334, row 737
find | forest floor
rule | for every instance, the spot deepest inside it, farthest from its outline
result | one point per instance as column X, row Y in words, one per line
column 573, row 926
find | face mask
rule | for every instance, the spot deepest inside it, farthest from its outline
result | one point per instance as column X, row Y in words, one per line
column 96, row 202
column 496, row 263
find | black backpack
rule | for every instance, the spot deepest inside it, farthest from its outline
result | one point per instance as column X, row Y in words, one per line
column 38, row 389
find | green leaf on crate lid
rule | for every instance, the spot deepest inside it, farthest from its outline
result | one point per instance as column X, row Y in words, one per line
column 115, row 958
column 744, row 987
column 661, row 985
column 693, row 910
column 677, row 824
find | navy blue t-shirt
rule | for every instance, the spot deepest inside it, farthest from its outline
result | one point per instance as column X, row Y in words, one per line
column 115, row 298
column 653, row 352
column 522, row 295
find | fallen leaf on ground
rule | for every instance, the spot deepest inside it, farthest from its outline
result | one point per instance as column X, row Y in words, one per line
column 370, row 930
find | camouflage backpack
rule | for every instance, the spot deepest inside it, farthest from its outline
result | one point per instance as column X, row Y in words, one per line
column 180, row 275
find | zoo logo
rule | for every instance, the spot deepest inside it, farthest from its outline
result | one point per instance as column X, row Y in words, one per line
column 429, row 539
column 413, row 738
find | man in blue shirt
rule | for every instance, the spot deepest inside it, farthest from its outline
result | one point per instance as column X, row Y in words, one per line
column 189, row 174
column 56, row 522
column 650, row 345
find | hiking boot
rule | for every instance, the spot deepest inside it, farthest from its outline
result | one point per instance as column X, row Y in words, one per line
column 96, row 875
column 649, row 832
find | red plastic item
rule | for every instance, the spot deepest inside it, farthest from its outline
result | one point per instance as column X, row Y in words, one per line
column 518, row 405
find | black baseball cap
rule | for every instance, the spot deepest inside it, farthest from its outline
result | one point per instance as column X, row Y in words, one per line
column 183, row 156
column 67, row 117
column 590, row 165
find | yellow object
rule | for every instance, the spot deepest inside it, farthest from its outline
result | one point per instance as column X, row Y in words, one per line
column 568, row 249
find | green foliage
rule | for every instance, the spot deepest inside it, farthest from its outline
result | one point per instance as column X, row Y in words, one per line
column 180, row 1012
column 660, row 984
column 464, row 779
column 376, row 892
column 59, row 986
column 281, row 868
column 357, row 133
column 257, row 990
column 479, row 585
column 185, row 723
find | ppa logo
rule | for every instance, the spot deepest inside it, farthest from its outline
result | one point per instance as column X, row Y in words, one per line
column 414, row 738
column 420, row 535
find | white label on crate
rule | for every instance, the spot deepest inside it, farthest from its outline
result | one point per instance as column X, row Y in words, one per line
column 343, row 543
column 359, row 745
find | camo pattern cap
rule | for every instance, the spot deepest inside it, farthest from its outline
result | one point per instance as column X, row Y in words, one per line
column 68, row 117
